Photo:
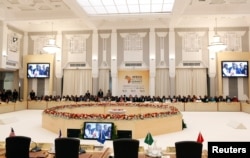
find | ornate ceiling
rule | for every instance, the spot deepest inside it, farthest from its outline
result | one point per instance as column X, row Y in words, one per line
column 37, row 15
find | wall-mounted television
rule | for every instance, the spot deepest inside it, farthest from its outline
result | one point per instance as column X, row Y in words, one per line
column 38, row 70
column 93, row 130
column 234, row 68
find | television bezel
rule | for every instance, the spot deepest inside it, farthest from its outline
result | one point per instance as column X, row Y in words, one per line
column 102, row 123
column 234, row 61
column 40, row 63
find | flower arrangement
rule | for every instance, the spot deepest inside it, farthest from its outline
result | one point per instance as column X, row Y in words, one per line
column 166, row 111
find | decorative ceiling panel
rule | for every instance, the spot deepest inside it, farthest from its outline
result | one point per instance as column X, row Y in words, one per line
column 33, row 5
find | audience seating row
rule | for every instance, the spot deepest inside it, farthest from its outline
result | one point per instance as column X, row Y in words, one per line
column 189, row 106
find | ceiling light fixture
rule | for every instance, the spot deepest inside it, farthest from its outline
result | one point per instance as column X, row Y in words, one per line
column 130, row 7
column 216, row 45
column 51, row 46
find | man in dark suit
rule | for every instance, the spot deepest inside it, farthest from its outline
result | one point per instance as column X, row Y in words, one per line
column 32, row 95
column 15, row 95
column 135, row 99
column 87, row 94
column 100, row 93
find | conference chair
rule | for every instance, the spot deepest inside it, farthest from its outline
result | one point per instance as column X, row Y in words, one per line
column 188, row 149
column 124, row 134
column 126, row 148
column 67, row 147
column 17, row 146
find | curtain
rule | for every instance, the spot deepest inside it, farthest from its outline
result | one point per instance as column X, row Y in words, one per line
column 199, row 82
column 104, row 80
column 191, row 82
column 162, row 82
column 183, row 82
column 77, row 82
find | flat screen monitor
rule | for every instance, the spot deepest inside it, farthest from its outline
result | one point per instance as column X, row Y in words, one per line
column 93, row 130
column 234, row 69
column 38, row 70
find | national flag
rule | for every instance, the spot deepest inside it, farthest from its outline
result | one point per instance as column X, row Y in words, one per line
column 149, row 139
column 200, row 138
column 60, row 134
column 12, row 133
column 101, row 139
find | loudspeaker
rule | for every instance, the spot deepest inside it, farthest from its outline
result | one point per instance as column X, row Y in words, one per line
column 124, row 134
column 74, row 133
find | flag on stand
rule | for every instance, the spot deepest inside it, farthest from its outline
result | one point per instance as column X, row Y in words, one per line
column 200, row 138
column 12, row 133
column 101, row 139
column 60, row 134
column 149, row 139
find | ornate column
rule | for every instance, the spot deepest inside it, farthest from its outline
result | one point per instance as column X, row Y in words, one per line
column 212, row 65
column 3, row 45
column 114, row 62
column 21, row 66
column 57, row 90
column 95, row 61
column 152, row 67
column 172, row 60
column 58, row 57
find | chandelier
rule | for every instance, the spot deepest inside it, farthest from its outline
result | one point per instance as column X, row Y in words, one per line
column 51, row 46
column 216, row 45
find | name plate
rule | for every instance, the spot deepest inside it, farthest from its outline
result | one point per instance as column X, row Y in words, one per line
column 87, row 147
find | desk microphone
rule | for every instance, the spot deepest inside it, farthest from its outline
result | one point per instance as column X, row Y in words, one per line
column 36, row 148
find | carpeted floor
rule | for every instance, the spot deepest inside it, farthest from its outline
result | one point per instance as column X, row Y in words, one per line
column 214, row 126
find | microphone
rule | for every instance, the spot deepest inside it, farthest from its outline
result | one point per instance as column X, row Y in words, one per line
column 36, row 148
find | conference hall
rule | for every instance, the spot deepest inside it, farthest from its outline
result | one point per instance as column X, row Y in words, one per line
column 154, row 71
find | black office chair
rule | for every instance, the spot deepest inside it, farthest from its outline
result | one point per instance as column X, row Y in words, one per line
column 17, row 146
column 126, row 148
column 67, row 147
column 188, row 149
column 124, row 134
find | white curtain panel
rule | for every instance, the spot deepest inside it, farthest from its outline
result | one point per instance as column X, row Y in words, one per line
column 199, row 82
column 104, row 80
column 183, row 82
column 162, row 82
column 77, row 82
column 191, row 82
